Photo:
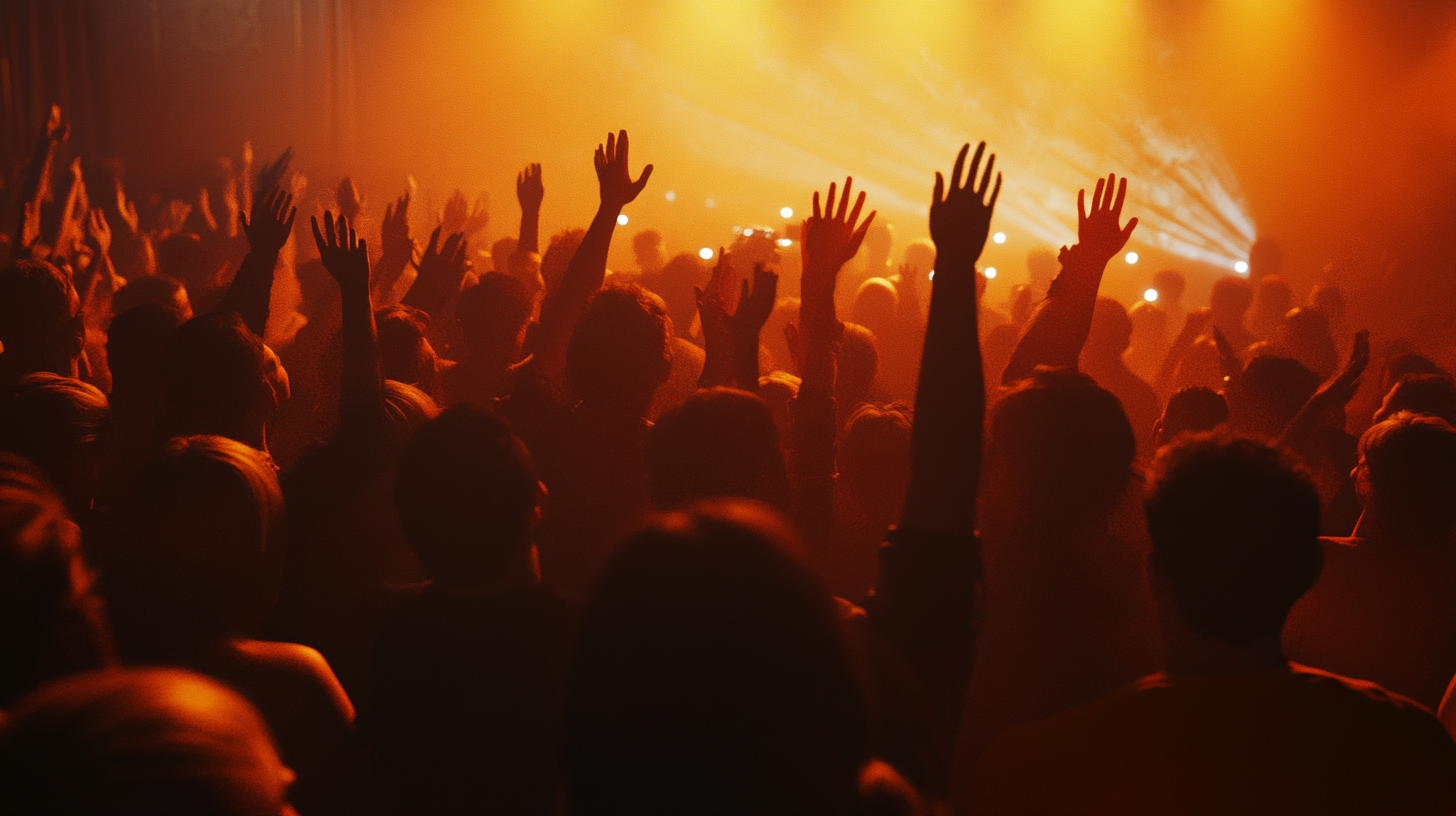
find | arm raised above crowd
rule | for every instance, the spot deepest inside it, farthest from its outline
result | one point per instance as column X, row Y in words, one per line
column 530, row 192
column 267, row 230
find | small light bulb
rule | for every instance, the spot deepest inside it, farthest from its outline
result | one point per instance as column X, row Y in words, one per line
column 784, row 242
column 706, row 253
column 999, row 237
column 748, row 233
column 1131, row 257
column 671, row 196
column 1150, row 295
column 622, row 219
column 1241, row 267
column 990, row 272
column 787, row 212
column 710, row 203
column 932, row 274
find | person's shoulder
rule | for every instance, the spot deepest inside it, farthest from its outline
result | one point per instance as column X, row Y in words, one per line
column 300, row 668
column 1358, row 692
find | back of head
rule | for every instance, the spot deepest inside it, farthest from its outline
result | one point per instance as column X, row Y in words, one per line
column 1192, row 409
column 182, row 257
column 876, row 306
column 859, row 363
column 711, row 677
column 50, row 623
column 1042, row 266
column 466, row 495
column 1407, row 475
column 1170, row 284
column 674, row 283
column 1149, row 321
column 1329, row 300
column 874, row 455
column 647, row 246
column 500, row 254
column 619, row 354
column 1111, row 330
column 920, row 254
column 157, row 290
column 37, row 311
column 1275, row 388
column 213, row 374
column 159, row 741
column 1274, row 297
column 1433, row 394
column 720, row 443
column 559, row 253
column 135, row 343
column 204, row 532
column 494, row 312
column 1232, row 295
column 1305, row 336
column 405, row 353
column 1235, row 528
column 1403, row 364
column 53, row 422
column 1060, row 448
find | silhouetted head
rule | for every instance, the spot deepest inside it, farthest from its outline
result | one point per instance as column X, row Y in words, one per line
column 1304, row 335
column 160, row 741
column 220, row 379
column 777, row 389
column 1402, row 365
column 159, row 290
column 1111, row 331
column 1272, row 299
column 1274, row 389
column 1235, row 528
column 205, row 540
column 405, row 353
column 1328, row 300
column 711, row 676
column 133, row 255
column 1266, row 257
column 674, row 283
column 558, row 254
column 1170, row 285
column 1149, row 323
column 1231, row 297
column 859, row 362
column 1407, row 477
column 754, row 245
column 647, row 247
column 51, row 624
column 1192, row 409
column 920, row 254
column 785, row 311
column 874, row 458
column 135, row 344
column 407, row 408
column 182, row 257
column 1059, row 451
column 618, row 354
column 879, row 244
column 493, row 313
column 466, row 493
column 53, row 422
column 1042, row 266
column 720, row 443
column 1432, row 394
column 500, row 254
column 876, row 306
column 40, row 325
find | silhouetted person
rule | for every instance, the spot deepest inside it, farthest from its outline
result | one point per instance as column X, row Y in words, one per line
column 157, row 289
column 1433, row 394
column 874, row 475
column 1230, row 725
column 218, row 378
column 1194, row 409
column 1271, row 390
column 1148, row 344
column 158, row 741
column 468, row 677
column 53, row 421
column 1171, row 284
column 1382, row 608
column 1230, row 301
column 1272, row 300
column 647, row 250
column 405, row 352
column 493, row 316
column 1304, row 335
column 721, row 443
column 674, row 282
column 1102, row 358
column 41, row 328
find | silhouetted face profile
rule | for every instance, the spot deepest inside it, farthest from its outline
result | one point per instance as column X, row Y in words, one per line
column 711, row 677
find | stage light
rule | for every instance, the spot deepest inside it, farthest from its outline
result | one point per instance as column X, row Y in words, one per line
column 787, row 212
column 710, row 203
column 671, row 196
column 706, row 253
column 932, row 274
column 1131, row 257
column 622, row 219
column 990, row 272
column 748, row 233
column 1241, row 267
column 783, row 242
column 1150, row 295
column 999, row 237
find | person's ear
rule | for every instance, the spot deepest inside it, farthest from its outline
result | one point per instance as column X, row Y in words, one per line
column 75, row 335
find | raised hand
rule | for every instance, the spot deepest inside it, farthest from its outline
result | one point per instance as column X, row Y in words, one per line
column 1342, row 388
column 960, row 214
column 617, row 187
column 394, row 232
column 459, row 217
column 723, row 282
column 479, row 216
column 1098, row 233
column 271, row 222
column 343, row 254
column 99, row 231
column 442, row 269
column 529, row 190
column 56, row 131
column 755, row 304
column 351, row 201
column 830, row 240
column 271, row 175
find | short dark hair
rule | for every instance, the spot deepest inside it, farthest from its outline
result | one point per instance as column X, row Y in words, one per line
column 212, row 369
column 719, row 443
column 1064, row 442
column 1408, row 467
column 619, row 350
column 1192, row 409
column 495, row 309
column 1432, row 394
column 466, row 495
column 37, row 300
column 1235, row 526
column 1275, row 388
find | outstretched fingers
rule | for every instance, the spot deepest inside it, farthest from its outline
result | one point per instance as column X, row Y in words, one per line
column 844, row 197
column 858, row 205
column 995, row 192
column 975, row 166
column 955, row 170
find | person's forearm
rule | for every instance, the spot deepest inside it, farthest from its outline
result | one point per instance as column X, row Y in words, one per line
column 1057, row 330
column 583, row 277
column 530, row 230
column 251, row 288
column 388, row 271
column 950, row 406
column 361, row 399
column 745, row 362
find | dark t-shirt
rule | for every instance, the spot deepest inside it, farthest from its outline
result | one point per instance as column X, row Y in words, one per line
column 466, row 697
column 1289, row 741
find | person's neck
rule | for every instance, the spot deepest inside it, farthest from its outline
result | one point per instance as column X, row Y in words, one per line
column 1188, row 653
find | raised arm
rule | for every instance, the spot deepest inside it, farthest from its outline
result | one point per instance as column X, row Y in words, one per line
column 1330, row 399
column 346, row 258
column 755, row 304
column 267, row 231
column 1058, row 328
column 398, row 248
column 588, row 267
column 830, row 240
column 442, row 271
column 36, row 184
column 530, row 192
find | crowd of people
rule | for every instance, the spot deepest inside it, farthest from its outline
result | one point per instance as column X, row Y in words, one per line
column 336, row 518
